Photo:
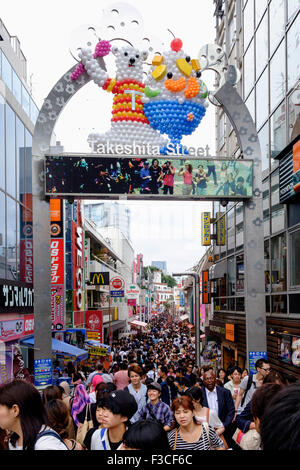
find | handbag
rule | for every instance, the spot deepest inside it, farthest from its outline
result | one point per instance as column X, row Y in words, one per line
column 221, row 435
column 86, row 425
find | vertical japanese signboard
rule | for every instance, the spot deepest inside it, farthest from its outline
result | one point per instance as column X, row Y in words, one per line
column 205, row 288
column 57, row 264
column 205, row 228
column 26, row 240
column 78, row 268
column 221, row 229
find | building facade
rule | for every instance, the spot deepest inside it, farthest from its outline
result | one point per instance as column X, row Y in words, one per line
column 109, row 214
column 262, row 39
column 18, row 114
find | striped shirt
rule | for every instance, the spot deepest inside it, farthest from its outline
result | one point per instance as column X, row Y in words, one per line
column 204, row 443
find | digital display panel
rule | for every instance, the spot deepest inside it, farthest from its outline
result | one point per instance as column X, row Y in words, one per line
column 142, row 178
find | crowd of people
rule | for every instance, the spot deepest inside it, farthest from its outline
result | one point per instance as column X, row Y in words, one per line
column 154, row 396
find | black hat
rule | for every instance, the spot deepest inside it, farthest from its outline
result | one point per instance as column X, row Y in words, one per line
column 120, row 402
column 155, row 386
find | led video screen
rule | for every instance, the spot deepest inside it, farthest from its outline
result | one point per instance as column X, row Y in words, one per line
column 142, row 178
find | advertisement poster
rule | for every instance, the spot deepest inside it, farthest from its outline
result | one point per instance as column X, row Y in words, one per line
column 94, row 322
column 296, row 351
column 57, row 307
column 6, row 362
column 284, row 349
column 188, row 178
column 42, row 372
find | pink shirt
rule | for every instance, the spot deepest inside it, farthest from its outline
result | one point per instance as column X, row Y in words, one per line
column 121, row 379
column 187, row 177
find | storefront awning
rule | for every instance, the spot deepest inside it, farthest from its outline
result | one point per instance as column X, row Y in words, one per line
column 138, row 323
column 184, row 318
column 61, row 347
column 115, row 325
column 217, row 271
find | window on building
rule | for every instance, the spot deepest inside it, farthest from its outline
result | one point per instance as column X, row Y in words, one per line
column 25, row 101
column 262, row 49
column 266, row 208
column 249, row 69
column 277, row 209
column 293, row 111
column 260, row 8
column 11, row 241
column 248, row 22
column 263, row 136
column 250, row 103
column 2, row 143
column 277, row 22
column 20, row 144
column 16, row 86
column 231, row 276
column 239, row 225
column 293, row 7
column 262, row 99
column 2, row 235
column 6, row 72
column 230, row 231
column 267, row 266
column 293, row 53
column 294, row 258
column 240, row 273
column 278, row 133
column 231, row 31
column 277, row 76
column 10, row 151
column 279, row 303
column 278, row 263
column 28, row 163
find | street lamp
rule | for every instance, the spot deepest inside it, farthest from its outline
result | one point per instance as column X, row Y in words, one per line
column 196, row 277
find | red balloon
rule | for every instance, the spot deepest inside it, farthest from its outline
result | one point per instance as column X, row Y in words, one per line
column 176, row 44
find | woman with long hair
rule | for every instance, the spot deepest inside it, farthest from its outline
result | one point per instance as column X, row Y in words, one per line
column 190, row 435
column 58, row 416
column 22, row 412
column 187, row 174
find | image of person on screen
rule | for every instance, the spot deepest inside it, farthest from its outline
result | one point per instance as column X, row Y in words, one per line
column 187, row 174
column 167, row 177
column 155, row 171
column 211, row 167
column 240, row 188
column 145, row 178
column 201, row 181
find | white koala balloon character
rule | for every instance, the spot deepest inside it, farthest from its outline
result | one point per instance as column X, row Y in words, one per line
column 128, row 124
column 175, row 96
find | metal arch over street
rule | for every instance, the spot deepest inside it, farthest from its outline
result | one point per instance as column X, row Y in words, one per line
column 242, row 122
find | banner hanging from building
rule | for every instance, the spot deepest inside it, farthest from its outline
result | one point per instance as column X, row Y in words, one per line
column 57, row 265
column 205, row 228
column 176, row 178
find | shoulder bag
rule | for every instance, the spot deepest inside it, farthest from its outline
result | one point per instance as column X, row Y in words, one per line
column 85, row 426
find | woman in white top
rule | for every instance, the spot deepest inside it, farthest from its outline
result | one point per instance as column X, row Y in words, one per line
column 22, row 412
column 203, row 414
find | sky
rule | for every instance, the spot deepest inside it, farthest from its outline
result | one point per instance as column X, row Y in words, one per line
column 47, row 30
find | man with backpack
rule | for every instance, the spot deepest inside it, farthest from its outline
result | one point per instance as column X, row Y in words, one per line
column 250, row 383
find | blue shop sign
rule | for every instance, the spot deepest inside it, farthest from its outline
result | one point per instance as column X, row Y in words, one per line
column 253, row 357
column 42, row 372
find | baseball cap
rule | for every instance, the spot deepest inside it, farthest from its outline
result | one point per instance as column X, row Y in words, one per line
column 155, row 386
column 120, row 402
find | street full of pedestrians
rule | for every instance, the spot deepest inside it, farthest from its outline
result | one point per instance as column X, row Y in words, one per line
column 152, row 397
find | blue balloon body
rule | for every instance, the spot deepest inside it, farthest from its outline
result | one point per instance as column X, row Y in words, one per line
column 171, row 118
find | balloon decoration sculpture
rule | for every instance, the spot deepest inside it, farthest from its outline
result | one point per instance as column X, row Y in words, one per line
column 129, row 123
column 175, row 95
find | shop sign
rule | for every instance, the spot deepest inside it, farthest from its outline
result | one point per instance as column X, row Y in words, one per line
column 15, row 297
column 221, row 229
column 99, row 279
column 93, row 335
column 98, row 351
column 57, row 261
column 78, row 266
column 205, row 229
column 94, row 320
column 205, row 288
column 42, row 372
column 57, row 307
column 117, row 286
column 229, row 332
column 28, row 325
column 253, row 357
column 11, row 329
column 289, row 174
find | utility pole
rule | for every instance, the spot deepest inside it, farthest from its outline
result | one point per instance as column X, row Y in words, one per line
column 196, row 277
